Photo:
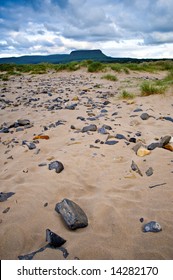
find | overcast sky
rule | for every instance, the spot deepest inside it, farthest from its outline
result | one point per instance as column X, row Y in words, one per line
column 120, row 28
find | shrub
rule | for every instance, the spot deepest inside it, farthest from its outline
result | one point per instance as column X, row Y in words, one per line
column 149, row 88
column 127, row 95
column 110, row 77
column 95, row 67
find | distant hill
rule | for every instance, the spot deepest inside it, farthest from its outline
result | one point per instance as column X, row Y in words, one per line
column 79, row 55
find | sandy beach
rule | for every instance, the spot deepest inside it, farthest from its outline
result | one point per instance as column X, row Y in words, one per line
column 98, row 176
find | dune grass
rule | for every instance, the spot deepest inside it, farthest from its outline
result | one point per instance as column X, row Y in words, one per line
column 150, row 88
column 126, row 95
column 110, row 77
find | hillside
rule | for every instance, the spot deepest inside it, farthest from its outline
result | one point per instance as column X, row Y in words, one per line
column 78, row 55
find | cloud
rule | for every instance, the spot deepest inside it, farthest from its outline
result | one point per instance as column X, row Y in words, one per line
column 53, row 26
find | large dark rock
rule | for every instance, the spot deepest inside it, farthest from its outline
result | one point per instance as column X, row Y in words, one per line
column 57, row 165
column 5, row 196
column 91, row 127
column 23, row 122
column 72, row 214
column 54, row 239
column 165, row 140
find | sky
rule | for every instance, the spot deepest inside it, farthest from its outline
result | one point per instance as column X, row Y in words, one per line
column 120, row 28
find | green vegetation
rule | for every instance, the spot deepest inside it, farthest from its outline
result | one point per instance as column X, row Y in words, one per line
column 127, row 95
column 96, row 67
column 110, row 77
column 149, row 88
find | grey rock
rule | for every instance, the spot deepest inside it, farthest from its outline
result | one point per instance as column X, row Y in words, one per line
column 71, row 107
column 152, row 227
column 137, row 110
column 57, row 165
column 5, row 196
column 30, row 145
column 137, row 146
column 168, row 119
column 111, row 142
column 108, row 127
column 81, row 118
column 144, row 116
column 120, row 136
column 153, row 146
column 72, row 214
column 91, row 127
column 102, row 130
column 54, row 239
column 165, row 140
column 23, row 122
column 134, row 167
column 149, row 172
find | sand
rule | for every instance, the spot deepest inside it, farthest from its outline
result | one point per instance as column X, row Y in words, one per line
column 99, row 179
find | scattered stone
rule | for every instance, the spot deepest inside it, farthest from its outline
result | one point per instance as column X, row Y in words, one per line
column 143, row 152
column 144, row 116
column 42, row 164
column 168, row 119
column 23, row 122
column 46, row 204
column 137, row 146
column 108, row 127
column 30, row 145
column 137, row 110
column 54, row 239
column 120, row 136
column 132, row 139
column 111, row 142
column 152, row 227
column 81, row 118
column 153, row 146
column 165, row 140
column 91, row 127
column 71, row 107
column 6, row 210
column 5, row 196
column 72, row 214
column 149, row 172
column 72, row 127
column 46, row 137
column 57, row 165
column 102, row 130
column 141, row 220
column 134, row 167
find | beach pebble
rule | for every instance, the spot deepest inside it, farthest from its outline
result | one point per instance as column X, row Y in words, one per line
column 165, row 140
column 144, row 116
column 120, row 136
column 91, row 127
column 141, row 152
column 54, row 239
column 5, row 196
column 153, row 146
column 57, row 165
column 152, row 227
column 23, row 122
column 149, row 172
column 30, row 145
column 111, row 142
column 72, row 214
column 168, row 147
column 102, row 130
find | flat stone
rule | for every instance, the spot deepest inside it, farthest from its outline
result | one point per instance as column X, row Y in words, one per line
column 149, row 172
column 5, row 196
column 165, row 140
column 30, row 145
column 91, row 127
column 72, row 214
column 111, row 142
column 143, row 152
column 57, row 165
column 54, row 239
column 153, row 146
column 102, row 130
column 23, row 122
column 120, row 136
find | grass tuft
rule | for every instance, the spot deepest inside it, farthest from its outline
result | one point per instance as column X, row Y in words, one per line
column 110, row 77
column 127, row 95
column 150, row 88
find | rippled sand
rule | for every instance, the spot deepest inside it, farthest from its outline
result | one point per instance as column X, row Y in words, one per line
column 100, row 180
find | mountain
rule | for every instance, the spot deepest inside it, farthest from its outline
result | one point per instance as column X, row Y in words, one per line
column 78, row 55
